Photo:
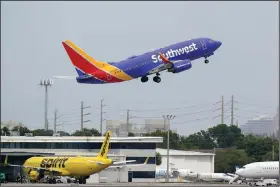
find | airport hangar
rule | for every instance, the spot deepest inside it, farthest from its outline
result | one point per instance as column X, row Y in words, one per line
column 20, row 148
column 195, row 161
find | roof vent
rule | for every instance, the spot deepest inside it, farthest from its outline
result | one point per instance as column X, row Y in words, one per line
column 28, row 134
column 56, row 134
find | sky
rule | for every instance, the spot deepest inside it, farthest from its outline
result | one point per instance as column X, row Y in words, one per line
column 246, row 65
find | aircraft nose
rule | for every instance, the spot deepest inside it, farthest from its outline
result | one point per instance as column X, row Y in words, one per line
column 238, row 172
column 218, row 43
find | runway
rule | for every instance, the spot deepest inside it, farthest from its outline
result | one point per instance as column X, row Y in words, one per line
column 125, row 184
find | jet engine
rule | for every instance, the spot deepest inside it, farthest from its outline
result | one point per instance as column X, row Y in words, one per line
column 181, row 66
column 35, row 175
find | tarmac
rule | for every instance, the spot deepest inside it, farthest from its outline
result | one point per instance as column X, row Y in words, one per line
column 124, row 185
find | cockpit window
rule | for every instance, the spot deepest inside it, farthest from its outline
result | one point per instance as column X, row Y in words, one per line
column 211, row 41
column 243, row 168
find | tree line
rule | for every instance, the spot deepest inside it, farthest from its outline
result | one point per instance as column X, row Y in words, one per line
column 231, row 147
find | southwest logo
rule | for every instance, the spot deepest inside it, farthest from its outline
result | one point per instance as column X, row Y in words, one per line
column 173, row 53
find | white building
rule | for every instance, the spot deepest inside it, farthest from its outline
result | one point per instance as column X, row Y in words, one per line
column 261, row 125
column 195, row 161
column 120, row 127
column 131, row 148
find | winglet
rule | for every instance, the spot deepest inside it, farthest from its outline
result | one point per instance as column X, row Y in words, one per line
column 5, row 162
column 164, row 59
column 146, row 161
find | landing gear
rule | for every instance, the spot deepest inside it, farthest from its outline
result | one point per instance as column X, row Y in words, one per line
column 157, row 79
column 144, row 79
column 52, row 180
column 206, row 61
column 82, row 180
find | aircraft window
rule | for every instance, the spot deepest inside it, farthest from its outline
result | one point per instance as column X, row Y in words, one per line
column 211, row 41
column 243, row 168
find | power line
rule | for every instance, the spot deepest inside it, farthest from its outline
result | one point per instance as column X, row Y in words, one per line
column 198, row 119
column 222, row 110
column 254, row 104
column 101, row 116
column 82, row 114
column 168, row 109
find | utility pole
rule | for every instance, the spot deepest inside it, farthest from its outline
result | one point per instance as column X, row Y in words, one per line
column 82, row 114
column 46, row 83
column 101, row 116
column 55, row 118
column 222, row 110
column 231, row 120
column 127, row 119
column 167, row 117
column 272, row 152
column 279, row 147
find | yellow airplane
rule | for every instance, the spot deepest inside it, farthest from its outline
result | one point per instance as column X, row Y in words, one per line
column 79, row 167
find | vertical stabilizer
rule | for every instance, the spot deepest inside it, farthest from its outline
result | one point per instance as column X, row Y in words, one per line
column 105, row 146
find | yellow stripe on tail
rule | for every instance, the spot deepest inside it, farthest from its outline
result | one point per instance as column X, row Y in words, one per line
column 105, row 146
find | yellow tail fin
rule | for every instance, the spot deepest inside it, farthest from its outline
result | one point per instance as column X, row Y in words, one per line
column 5, row 162
column 105, row 146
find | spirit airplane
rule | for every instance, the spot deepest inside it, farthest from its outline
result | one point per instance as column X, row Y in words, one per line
column 79, row 167
column 175, row 58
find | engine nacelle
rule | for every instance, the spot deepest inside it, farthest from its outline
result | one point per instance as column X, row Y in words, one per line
column 33, row 175
column 181, row 66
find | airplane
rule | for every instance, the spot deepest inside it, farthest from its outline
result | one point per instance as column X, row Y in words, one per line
column 174, row 58
column 73, row 166
column 161, row 173
column 259, row 170
column 218, row 177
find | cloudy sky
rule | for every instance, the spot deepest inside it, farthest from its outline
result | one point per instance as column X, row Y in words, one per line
column 245, row 66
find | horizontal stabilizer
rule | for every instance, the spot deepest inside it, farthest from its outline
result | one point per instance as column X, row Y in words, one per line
column 65, row 77
column 123, row 162
column 73, row 77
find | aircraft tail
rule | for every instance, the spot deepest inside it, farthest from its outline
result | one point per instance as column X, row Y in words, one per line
column 84, row 64
column 105, row 146
column 5, row 162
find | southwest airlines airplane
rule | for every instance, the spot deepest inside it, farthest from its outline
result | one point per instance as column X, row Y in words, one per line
column 175, row 58
column 79, row 167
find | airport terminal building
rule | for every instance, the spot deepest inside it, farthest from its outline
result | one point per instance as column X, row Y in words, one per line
column 20, row 148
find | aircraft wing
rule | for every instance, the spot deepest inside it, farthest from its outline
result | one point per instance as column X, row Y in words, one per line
column 130, row 165
column 37, row 168
column 120, row 162
column 167, row 64
column 231, row 174
column 123, row 162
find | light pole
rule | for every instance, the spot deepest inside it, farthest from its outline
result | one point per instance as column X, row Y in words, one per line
column 46, row 83
column 167, row 117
